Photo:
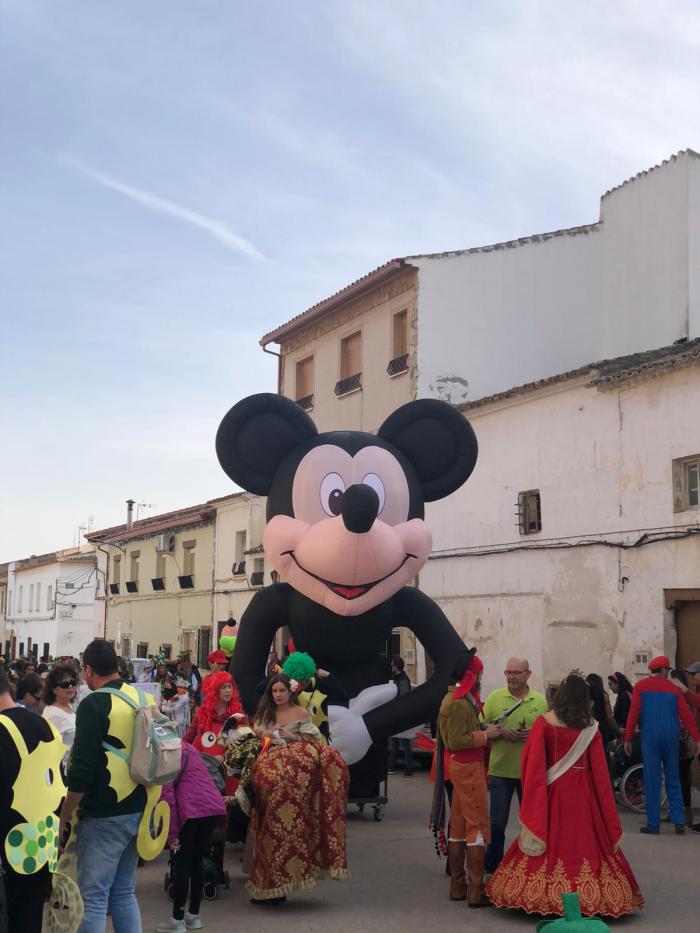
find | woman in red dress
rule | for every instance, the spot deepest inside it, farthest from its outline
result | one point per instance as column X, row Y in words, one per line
column 570, row 830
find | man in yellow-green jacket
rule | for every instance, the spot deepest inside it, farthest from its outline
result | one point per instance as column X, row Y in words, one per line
column 507, row 749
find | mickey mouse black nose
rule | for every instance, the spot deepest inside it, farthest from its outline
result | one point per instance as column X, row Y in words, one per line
column 360, row 508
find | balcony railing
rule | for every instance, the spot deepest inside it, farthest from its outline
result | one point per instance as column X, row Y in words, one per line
column 398, row 365
column 306, row 402
column 343, row 386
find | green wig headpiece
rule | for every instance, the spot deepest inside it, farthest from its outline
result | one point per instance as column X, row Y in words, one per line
column 299, row 666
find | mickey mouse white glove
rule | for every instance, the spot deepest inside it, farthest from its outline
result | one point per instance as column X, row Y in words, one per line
column 349, row 734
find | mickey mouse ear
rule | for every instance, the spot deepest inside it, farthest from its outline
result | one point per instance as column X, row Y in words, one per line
column 438, row 442
column 256, row 435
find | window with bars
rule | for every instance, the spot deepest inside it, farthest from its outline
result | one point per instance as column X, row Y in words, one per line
column 142, row 649
column 529, row 512
column 692, row 484
column 350, row 364
column 399, row 344
column 304, row 389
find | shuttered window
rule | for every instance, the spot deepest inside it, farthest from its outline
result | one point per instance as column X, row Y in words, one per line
column 351, row 355
column 305, row 378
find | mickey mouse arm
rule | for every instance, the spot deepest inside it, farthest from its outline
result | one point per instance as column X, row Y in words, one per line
column 266, row 613
column 417, row 612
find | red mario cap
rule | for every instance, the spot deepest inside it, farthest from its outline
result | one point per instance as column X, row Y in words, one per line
column 657, row 663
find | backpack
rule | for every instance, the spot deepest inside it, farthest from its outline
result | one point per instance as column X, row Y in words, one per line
column 154, row 756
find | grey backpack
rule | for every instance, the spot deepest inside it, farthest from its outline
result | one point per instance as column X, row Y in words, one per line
column 154, row 756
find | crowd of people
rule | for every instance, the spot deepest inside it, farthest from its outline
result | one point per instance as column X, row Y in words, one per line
column 274, row 782
column 555, row 755
column 74, row 719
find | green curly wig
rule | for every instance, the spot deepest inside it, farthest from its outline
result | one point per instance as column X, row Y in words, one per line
column 299, row 666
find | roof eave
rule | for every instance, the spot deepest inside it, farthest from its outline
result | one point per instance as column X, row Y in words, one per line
column 365, row 284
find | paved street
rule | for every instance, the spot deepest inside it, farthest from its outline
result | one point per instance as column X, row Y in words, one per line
column 398, row 884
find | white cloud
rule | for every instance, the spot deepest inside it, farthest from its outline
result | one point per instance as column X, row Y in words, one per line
column 217, row 228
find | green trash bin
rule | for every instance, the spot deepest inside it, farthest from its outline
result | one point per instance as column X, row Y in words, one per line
column 572, row 921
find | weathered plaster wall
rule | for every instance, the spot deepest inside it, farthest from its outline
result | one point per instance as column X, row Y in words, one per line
column 602, row 462
column 488, row 321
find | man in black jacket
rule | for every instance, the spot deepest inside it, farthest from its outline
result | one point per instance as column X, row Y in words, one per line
column 403, row 685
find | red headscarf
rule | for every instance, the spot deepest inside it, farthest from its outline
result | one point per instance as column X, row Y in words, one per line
column 467, row 682
column 206, row 714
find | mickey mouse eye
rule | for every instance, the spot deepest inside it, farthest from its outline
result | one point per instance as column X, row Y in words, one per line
column 377, row 485
column 332, row 489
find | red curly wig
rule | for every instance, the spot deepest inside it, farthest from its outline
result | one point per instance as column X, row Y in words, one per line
column 206, row 714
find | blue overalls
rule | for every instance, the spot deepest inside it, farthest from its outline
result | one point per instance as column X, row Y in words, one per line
column 660, row 738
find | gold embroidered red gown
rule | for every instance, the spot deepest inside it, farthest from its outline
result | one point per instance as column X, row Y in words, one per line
column 574, row 827
column 301, row 794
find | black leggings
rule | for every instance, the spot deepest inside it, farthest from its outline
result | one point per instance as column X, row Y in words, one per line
column 684, row 766
column 188, row 864
column 25, row 899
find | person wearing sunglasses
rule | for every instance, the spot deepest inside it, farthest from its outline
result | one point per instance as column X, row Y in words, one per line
column 29, row 693
column 59, row 690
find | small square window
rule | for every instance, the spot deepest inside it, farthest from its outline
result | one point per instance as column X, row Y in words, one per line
column 686, row 483
column 529, row 512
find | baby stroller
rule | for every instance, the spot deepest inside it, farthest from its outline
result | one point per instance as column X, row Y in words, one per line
column 214, row 873
column 628, row 775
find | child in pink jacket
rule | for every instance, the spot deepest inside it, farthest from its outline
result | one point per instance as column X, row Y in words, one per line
column 196, row 807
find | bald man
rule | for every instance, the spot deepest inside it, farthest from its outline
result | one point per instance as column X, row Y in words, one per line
column 507, row 750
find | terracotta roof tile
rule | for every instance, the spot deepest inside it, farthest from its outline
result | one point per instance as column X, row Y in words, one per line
column 370, row 280
column 607, row 372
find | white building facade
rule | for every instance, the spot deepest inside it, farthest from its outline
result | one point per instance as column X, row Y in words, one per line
column 499, row 316
column 51, row 606
column 603, row 571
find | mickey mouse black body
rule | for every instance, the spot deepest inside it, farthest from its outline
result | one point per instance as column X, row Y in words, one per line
column 345, row 532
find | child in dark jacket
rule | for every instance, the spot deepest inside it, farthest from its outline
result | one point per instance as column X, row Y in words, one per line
column 196, row 807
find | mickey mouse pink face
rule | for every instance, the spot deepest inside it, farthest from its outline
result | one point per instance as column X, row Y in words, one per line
column 350, row 545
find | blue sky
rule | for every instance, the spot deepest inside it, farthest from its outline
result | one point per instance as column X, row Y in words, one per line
column 179, row 176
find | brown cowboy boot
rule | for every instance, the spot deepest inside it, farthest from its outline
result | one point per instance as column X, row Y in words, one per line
column 476, row 896
column 458, row 878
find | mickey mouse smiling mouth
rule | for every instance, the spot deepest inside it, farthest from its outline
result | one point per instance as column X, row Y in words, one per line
column 347, row 591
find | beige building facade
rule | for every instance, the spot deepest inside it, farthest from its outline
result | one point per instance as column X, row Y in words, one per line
column 172, row 581
column 350, row 361
column 158, row 583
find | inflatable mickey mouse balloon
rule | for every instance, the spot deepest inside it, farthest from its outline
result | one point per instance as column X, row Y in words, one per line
column 346, row 534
